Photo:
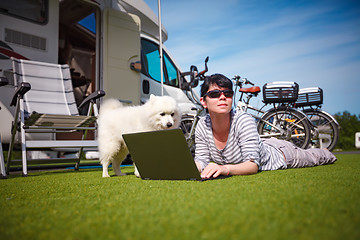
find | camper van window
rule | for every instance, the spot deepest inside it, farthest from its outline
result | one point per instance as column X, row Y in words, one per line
column 151, row 64
column 171, row 71
column 89, row 22
column 31, row 10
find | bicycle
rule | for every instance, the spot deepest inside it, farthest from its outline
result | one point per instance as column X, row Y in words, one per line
column 282, row 120
column 189, row 121
column 310, row 101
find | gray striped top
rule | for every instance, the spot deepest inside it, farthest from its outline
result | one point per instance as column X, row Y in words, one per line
column 243, row 144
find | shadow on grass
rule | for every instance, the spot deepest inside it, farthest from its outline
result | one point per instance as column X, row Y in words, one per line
column 68, row 170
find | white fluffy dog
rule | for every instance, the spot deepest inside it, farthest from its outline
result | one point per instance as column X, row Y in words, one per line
column 114, row 119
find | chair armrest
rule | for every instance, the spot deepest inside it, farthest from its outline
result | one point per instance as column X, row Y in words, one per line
column 3, row 81
column 20, row 92
column 92, row 97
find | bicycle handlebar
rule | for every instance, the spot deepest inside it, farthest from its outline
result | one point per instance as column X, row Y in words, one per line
column 195, row 76
column 239, row 81
column 202, row 73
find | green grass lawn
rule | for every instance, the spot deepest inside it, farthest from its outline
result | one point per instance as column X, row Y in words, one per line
column 313, row 203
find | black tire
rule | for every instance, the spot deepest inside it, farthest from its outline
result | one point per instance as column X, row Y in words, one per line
column 286, row 124
column 327, row 128
column 185, row 125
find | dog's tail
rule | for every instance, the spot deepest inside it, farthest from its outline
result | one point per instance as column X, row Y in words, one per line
column 110, row 104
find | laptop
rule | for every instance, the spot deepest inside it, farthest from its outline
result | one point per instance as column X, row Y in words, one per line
column 162, row 155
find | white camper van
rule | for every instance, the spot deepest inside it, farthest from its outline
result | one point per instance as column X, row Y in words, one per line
column 118, row 53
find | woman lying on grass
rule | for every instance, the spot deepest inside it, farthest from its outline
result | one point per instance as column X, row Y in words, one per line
column 227, row 142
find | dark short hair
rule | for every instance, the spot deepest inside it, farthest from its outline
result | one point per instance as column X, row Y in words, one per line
column 215, row 79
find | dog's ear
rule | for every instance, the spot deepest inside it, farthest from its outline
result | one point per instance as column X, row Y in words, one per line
column 152, row 96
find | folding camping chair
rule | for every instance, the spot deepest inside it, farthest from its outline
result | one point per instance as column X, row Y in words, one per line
column 2, row 164
column 3, row 82
column 48, row 108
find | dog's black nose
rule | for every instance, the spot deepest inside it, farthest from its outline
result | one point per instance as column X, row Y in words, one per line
column 169, row 125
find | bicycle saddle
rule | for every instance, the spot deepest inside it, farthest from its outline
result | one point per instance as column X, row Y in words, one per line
column 254, row 90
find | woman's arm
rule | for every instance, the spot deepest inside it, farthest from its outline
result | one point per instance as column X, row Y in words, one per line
column 202, row 152
column 214, row 170
column 198, row 165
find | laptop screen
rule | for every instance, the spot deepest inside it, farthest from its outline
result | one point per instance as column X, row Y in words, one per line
column 162, row 155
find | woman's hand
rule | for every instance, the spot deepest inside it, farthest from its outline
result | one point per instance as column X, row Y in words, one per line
column 214, row 170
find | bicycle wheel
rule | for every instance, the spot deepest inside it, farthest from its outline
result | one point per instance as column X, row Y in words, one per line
column 327, row 127
column 286, row 124
column 185, row 125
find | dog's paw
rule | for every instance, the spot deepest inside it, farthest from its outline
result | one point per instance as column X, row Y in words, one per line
column 105, row 175
column 136, row 172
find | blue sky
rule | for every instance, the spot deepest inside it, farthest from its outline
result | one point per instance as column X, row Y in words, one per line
column 311, row 42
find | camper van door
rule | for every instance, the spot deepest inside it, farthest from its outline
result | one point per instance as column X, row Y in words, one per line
column 121, row 47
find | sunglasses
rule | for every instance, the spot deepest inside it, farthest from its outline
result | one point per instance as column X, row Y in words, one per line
column 217, row 93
